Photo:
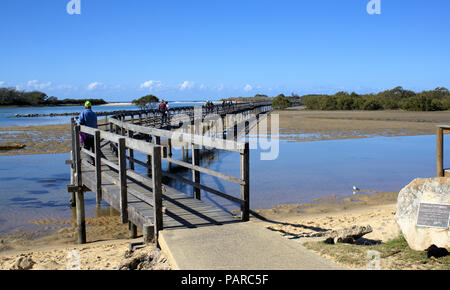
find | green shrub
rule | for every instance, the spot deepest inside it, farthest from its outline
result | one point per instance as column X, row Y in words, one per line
column 281, row 102
column 397, row 98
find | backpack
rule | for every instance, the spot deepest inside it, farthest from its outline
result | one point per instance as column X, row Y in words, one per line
column 83, row 136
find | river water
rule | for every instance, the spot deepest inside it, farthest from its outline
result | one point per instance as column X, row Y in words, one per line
column 8, row 119
column 34, row 187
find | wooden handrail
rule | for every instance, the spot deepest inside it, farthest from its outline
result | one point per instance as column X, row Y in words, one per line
column 130, row 143
column 222, row 144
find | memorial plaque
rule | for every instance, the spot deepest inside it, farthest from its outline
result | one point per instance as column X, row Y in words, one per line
column 434, row 215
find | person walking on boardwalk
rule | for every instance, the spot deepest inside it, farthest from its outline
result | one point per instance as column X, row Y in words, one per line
column 162, row 109
column 88, row 118
column 167, row 112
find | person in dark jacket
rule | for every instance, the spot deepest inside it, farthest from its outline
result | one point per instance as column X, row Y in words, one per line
column 88, row 118
column 162, row 109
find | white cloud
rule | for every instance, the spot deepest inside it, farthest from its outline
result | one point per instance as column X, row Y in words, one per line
column 151, row 85
column 36, row 85
column 2, row 83
column 221, row 87
column 248, row 88
column 186, row 85
column 95, row 85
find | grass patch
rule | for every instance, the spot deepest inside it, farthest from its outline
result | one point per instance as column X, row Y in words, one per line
column 395, row 255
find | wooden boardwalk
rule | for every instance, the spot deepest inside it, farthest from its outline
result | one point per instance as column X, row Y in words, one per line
column 142, row 200
column 179, row 209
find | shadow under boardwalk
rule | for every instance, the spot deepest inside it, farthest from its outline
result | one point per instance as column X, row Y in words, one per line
column 180, row 210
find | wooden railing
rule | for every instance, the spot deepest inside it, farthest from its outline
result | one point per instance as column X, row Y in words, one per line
column 153, row 117
column 196, row 141
column 441, row 129
column 122, row 144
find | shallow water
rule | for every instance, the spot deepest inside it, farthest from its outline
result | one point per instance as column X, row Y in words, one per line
column 34, row 187
column 7, row 118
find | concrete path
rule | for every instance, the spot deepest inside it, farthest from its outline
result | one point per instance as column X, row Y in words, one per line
column 239, row 246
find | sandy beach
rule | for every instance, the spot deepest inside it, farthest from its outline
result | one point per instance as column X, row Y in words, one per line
column 116, row 104
column 51, row 247
column 297, row 220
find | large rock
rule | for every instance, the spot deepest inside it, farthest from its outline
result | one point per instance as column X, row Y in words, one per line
column 431, row 190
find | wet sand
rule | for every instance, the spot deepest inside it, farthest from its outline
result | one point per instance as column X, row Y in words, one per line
column 37, row 139
column 297, row 124
column 294, row 221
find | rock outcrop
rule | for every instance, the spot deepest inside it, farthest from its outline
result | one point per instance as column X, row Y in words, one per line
column 346, row 235
column 431, row 190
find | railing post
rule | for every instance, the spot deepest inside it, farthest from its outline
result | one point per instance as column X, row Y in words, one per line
column 98, row 166
column 157, row 190
column 149, row 160
column 73, row 165
column 123, row 181
column 81, row 223
column 440, row 152
column 130, row 134
column 195, row 173
column 245, row 188
column 133, row 230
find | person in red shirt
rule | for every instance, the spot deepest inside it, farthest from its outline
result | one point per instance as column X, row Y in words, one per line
column 162, row 109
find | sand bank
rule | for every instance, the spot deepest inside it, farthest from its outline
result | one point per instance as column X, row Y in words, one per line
column 334, row 213
column 52, row 247
column 116, row 104
column 297, row 124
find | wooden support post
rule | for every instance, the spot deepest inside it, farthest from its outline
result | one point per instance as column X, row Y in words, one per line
column 157, row 190
column 245, row 188
column 123, row 181
column 133, row 230
column 79, row 195
column 111, row 130
column 170, row 147
column 148, row 232
column 149, row 161
column 73, row 165
column 195, row 173
column 98, row 166
column 130, row 134
column 72, row 179
column 440, row 152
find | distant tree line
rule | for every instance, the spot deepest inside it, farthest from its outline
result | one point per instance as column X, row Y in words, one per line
column 279, row 102
column 397, row 98
column 145, row 102
column 13, row 97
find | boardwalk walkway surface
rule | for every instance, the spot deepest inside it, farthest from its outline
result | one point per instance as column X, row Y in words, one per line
column 179, row 209
column 240, row 246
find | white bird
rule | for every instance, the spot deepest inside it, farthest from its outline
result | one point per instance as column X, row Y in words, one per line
column 355, row 189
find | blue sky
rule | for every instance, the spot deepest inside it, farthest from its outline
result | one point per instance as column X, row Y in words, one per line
column 196, row 50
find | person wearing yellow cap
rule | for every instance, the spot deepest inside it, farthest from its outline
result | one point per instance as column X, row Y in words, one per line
column 88, row 118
